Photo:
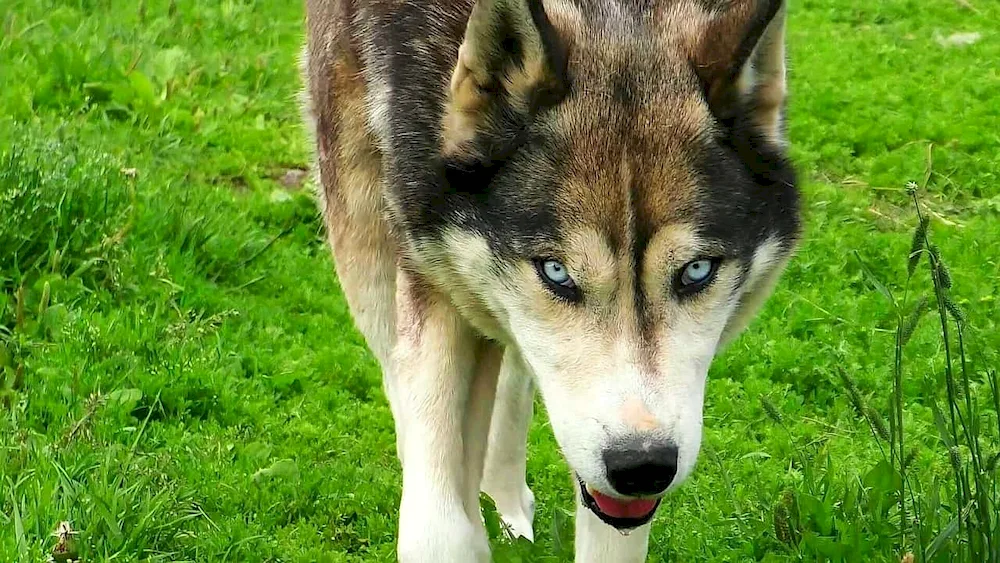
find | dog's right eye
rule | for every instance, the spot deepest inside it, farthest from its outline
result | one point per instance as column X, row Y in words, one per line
column 556, row 277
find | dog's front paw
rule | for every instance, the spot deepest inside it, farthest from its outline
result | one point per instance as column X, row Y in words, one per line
column 516, row 505
column 446, row 537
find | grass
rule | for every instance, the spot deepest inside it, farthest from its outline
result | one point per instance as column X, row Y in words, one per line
column 180, row 379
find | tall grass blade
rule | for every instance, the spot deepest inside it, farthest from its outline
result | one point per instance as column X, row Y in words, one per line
column 947, row 533
column 942, row 426
column 22, row 541
column 994, row 381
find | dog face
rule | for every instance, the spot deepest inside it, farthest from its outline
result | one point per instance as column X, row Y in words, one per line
column 625, row 208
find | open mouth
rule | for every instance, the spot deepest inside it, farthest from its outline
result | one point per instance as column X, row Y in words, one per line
column 622, row 514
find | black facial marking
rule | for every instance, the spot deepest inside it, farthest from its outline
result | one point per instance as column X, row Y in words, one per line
column 415, row 80
column 642, row 232
column 750, row 189
column 508, row 200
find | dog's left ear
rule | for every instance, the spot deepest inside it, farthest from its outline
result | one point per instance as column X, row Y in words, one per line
column 739, row 56
column 510, row 65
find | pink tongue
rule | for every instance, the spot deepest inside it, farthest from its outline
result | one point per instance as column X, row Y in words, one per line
column 623, row 508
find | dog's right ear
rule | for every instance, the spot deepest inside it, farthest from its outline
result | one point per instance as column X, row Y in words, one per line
column 510, row 65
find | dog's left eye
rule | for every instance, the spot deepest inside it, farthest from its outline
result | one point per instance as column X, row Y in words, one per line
column 556, row 276
column 696, row 275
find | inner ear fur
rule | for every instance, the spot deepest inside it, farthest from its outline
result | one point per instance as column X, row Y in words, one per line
column 739, row 56
column 510, row 65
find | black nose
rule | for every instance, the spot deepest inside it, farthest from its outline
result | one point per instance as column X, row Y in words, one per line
column 641, row 466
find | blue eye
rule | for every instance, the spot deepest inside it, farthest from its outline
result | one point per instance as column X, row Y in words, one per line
column 696, row 275
column 556, row 276
column 556, row 273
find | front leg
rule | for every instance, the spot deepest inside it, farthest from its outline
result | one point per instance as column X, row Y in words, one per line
column 597, row 542
column 435, row 360
column 478, row 419
column 506, row 459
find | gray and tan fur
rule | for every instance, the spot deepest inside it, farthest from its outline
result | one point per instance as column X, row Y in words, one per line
column 466, row 150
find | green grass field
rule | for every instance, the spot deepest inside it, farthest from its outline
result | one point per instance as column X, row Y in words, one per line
column 180, row 379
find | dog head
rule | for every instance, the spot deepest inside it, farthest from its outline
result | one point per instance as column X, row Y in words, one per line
column 626, row 207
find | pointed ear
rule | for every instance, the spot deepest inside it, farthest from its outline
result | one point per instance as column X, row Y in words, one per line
column 739, row 56
column 510, row 65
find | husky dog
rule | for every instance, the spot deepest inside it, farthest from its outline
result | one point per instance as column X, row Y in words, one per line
column 589, row 197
